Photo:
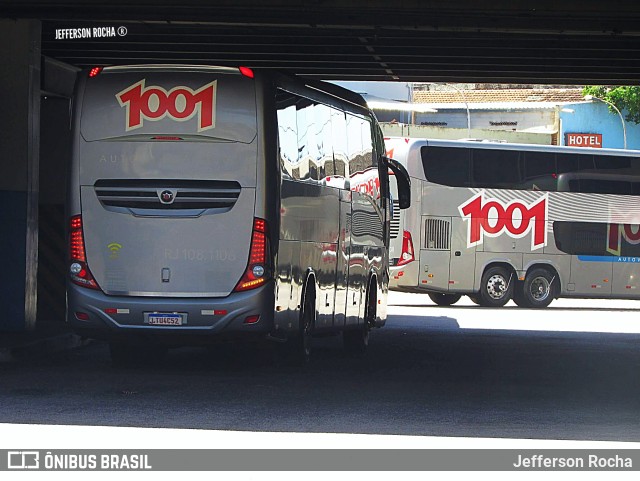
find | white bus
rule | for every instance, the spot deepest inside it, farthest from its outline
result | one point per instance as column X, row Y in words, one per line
column 211, row 202
column 531, row 223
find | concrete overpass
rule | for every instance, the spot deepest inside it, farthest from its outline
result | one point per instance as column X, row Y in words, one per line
column 515, row 41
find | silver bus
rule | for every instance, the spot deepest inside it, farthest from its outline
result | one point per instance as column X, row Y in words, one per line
column 527, row 223
column 213, row 202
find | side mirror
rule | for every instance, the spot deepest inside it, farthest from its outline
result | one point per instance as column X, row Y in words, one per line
column 402, row 179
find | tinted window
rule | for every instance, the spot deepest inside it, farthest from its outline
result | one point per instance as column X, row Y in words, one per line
column 305, row 121
column 340, row 156
column 447, row 166
column 599, row 186
column 323, row 137
column 610, row 162
column 496, row 168
column 288, row 140
column 574, row 162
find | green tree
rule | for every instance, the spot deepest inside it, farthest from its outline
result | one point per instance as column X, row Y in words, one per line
column 625, row 98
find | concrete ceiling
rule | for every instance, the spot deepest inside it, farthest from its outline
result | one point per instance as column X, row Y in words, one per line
column 558, row 42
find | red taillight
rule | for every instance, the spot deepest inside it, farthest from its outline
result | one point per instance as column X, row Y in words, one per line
column 78, row 269
column 246, row 71
column 252, row 319
column 258, row 269
column 94, row 72
column 407, row 249
column 166, row 138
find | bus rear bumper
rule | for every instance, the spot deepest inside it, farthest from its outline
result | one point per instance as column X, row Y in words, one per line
column 244, row 314
column 405, row 277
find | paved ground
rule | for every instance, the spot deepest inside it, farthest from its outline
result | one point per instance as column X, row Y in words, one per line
column 459, row 371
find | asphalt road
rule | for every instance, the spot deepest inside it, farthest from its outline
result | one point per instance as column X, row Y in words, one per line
column 431, row 371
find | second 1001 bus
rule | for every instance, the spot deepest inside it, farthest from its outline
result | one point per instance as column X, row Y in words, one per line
column 528, row 223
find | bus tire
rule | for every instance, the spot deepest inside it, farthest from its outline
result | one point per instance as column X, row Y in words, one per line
column 474, row 298
column 518, row 295
column 356, row 341
column 444, row 299
column 297, row 349
column 496, row 287
column 539, row 288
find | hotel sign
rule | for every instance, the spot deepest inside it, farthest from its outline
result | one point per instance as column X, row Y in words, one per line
column 583, row 140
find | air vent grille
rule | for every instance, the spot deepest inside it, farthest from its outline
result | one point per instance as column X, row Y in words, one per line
column 436, row 234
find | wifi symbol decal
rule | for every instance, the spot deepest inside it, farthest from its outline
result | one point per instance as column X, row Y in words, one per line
column 114, row 247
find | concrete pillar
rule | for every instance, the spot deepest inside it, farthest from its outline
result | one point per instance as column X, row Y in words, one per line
column 19, row 158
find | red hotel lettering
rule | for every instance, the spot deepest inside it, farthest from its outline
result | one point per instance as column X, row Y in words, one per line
column 180, row 103
column 492, row 217
column 617, row 232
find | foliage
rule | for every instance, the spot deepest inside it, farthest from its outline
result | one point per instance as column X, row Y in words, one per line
column 624, row 98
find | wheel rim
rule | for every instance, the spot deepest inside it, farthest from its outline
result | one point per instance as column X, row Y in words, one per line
column 497, row 286
column 539, row 289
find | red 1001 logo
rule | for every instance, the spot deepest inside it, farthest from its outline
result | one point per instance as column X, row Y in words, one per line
column 491, row 217
column 180, row 103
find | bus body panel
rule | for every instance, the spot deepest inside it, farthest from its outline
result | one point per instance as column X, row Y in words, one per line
column 136, row 243
column 134, row 255
column 591, row 278
column 625, row 281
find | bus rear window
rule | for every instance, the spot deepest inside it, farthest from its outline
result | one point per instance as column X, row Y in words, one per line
column 142, row 105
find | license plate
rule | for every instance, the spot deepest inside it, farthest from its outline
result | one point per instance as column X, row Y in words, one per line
column 165, row 319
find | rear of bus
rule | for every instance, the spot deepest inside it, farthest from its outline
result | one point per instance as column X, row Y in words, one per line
column 401, row 246
column 165, row 234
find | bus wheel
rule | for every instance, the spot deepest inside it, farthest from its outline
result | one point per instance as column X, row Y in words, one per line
column 475, row 299
column 539, row 288
column 298, row 348
column 356, row 341
column 496, row 287
column 518, row 295
column 444, row 299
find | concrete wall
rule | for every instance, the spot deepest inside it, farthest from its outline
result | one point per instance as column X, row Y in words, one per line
column 492, row 119
column 428, row 132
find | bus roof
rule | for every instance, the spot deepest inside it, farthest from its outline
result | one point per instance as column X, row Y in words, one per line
column 414, row 143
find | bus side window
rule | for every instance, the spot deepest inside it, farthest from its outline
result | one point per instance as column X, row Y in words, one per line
column 446, row 166
column 496, row 168
column 324, row 141
column 340, row 156
column 288, row 141
column 354, row 150
column 304, row 116
column 574, row 162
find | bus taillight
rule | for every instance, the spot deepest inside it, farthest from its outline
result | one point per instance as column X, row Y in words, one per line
column 258, row 269
column 78, row 269
column 95, row 71
column 246, row 71
column 407, row 249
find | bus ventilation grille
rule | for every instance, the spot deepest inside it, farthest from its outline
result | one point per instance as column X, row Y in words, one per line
column 395, row 222
column 436, row 234
column 168, row 195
